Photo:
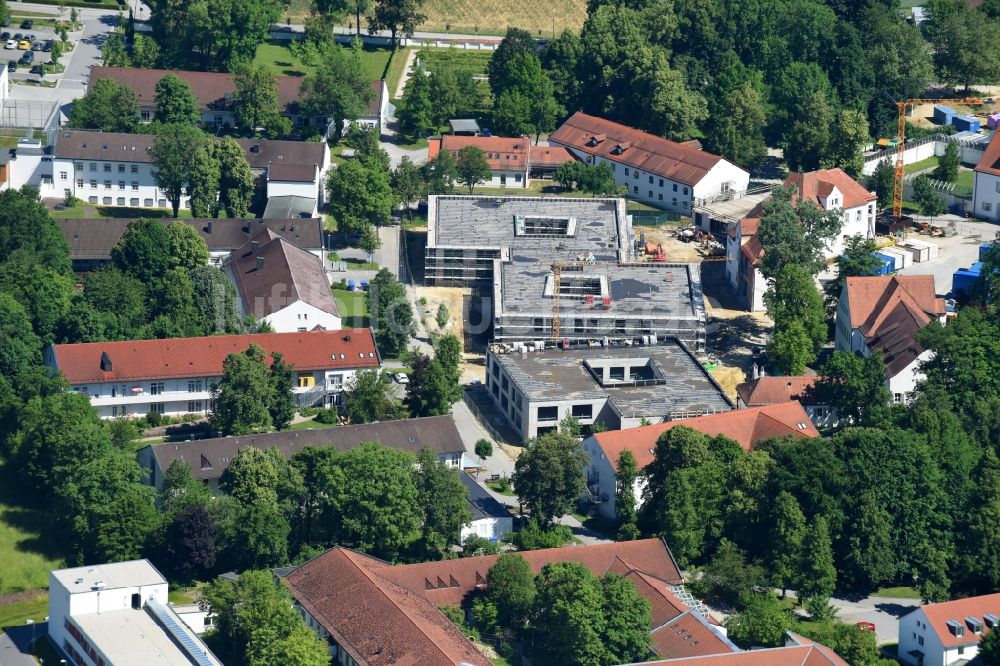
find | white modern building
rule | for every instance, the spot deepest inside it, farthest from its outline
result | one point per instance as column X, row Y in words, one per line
column 176, row 376
column 828, row 189
column 663, row 173
column 986, row 183
column 282, row 284
column 882, row 315
column 490, row 520
column 118, row 615
column 947, row 633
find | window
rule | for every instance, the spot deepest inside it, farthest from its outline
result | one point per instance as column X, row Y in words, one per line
column 685, row 190
column 617, row 372
column 626, row 173
column 135, row 168
column 548, row 413
column 675, row 187
column 93, row 184
column 306, row 380
column 121, row 168
column 78, row 166
column 650, row 194
column 987, row 206
column 156, row 388
column 157, row 408
column 107, row 168
column 335, row 382
column 661, row 182
column 194, row 406
column 660, row 197
column 67, row 192
column 135, row 186
column 301, row 329
column 635, row 189
column 62, row 175
column 583, row 411
column 92, row 167
column 133, row 202
column 162, row 203
column 107, row 184
column 79, row 182
column 147, row 202
column 106, row 201
column 120, row 201
column 144, row 115
column 92, row 200
column 538, row 325
column 121, row 184
column 194, row 386
column 920, row 640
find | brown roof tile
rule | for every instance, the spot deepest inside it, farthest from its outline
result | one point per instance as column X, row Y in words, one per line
column 502, row 154
column 135, row 360
column 990, row 161
column 816, row 184
column 689, row 635
column 209, row 458
column 549, row 156
column 744, row 426
column 959, row 609
column 274, row 273
column 107, row 146
column 772, row 390
column 94, row 238
column 298, row 173
column 597, row 136
column 264, row 152
column 213, row 90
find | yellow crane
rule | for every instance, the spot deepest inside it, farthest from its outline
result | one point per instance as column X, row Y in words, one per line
column 897, row 185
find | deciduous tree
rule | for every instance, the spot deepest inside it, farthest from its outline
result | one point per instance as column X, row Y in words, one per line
column 548, row 476
column 173, row 153
column 625, row 500
column 445, row 503
column 256, row 104
column 339, row 89
column 190, row 544
column 187, row 248
column 817, row 575
column 737, row 132
column 391, row 313
column 396, row 16
column 242, row 396
column 108, row 107
column 360, row 195
column 930, row 202
column 763, row 622
column 175, row 103
column 472, row 167
column 367, row 398
column 854, row 385
column 236, row 178
column 569, row 614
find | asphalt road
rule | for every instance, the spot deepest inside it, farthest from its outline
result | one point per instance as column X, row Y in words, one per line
column 883, row 612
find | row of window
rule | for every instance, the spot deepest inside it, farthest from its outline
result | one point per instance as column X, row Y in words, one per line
column 92, row 166
column 193, row 407
column 120, row 201
column 107, row 184
column 551, row 413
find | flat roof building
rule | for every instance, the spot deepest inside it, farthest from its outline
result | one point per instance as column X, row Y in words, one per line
column 513, row 247
column 617, row 386
column 117, row 614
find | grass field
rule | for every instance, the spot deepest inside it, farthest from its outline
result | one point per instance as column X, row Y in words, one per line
column 283, row 62
column 897, row 593
column 963, row 183
column 475, row 62
column 353, row 307
column 26, row 552
column 485, row 17
column 14, row 615
column 929, row 163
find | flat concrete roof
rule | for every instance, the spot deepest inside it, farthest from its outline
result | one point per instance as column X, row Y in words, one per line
column 133, row 637
column 482, row 222
column 134, row 573
column 657, row 289
column 558, row 375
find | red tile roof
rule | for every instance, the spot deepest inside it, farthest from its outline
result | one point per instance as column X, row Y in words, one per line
column 889, row 311
column 386, row 614
column 990, row 161
column 135, row 360
column 744, row 426
column 549, row 156
column 772, row 390
column 801, row 652
column 288, row 274
column 620, row 143
column 376, row 621
column 502, row 154
column 938, row 615
column 816, row 184
column 689, row 635
column 753, row 250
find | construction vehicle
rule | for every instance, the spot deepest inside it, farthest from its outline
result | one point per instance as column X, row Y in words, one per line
column 897, row 185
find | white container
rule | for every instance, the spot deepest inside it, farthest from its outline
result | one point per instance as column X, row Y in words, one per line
column 905, row 257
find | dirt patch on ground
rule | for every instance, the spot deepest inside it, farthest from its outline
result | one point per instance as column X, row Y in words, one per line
column 14, row 597
column 674, row 249
column 734, row 337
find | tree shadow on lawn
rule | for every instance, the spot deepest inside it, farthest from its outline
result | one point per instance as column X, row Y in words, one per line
column 27, row 516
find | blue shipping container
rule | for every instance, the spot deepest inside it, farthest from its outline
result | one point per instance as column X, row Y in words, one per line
column 966, row 123
column 886, row 264
column 965, row 277
column 943, row 114
column 983, row 249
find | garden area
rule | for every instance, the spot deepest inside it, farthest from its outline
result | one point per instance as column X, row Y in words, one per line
column 375, row 62
column 352, row 305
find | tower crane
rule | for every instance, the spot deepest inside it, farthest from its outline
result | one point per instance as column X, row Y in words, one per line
column 897, row 184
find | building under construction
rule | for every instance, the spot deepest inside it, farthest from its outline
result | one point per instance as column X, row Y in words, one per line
column 561, row 269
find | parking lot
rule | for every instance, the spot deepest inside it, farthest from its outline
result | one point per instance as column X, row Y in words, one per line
column 40, row 33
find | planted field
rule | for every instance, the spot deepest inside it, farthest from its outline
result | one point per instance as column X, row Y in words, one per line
column 475, row 62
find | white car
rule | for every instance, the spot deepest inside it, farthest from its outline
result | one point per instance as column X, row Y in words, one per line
column 401, row 378
column 10, row 45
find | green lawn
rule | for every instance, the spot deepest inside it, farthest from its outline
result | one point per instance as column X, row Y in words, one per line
column 474, row 62
column 897, row 592
column 14, row 615
column 311, row 425
column 283, row 62
column 353, row 307
column 497, row 488
column 929, row 163
column 85, row 210
column 28, row 546
column 963, row 183
column 395, row 69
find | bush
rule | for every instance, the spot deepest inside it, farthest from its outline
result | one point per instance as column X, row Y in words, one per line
column 306, row 412
column 476, row 545
column 503, row 484
column 457, row 616
column 328, row 416
column 154, row 419
column 533, row 537
column 442, row 315
column 484, row 449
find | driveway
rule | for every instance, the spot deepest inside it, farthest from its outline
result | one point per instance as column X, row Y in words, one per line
column 396, row 153
column 883, row 612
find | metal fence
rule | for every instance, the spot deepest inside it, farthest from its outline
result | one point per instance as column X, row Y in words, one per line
column 654, row 218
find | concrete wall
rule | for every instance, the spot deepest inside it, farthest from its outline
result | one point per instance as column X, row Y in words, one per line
column 493, row 529
column 301, row 316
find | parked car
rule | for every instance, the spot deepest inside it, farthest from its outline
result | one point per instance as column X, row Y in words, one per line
column 47, row 47
column 11, row 44
column 37, row 69
column 37, row 46
column 17, row 37
column 4, row 36
column 27, row 58
column 401, row 378
column 31, row 38
column 12, row 66
column 865, row 625
column 26, row 24
column 24, row 45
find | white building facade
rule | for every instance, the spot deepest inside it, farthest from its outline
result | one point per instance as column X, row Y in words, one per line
column 135, row 378
column 949, row 632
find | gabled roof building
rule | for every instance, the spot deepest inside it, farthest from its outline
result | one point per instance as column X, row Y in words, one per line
column 175, row 376
column 949, row 632
column 882, row 315
column 655, row 170
column 744, row 426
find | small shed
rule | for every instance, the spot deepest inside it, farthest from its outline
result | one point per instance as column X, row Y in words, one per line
column 905, row 257
column 966, row 123
column 943, row 115
column 993, row 120
column 464, row 127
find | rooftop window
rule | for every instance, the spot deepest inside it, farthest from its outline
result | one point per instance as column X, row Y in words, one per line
column 544, row 227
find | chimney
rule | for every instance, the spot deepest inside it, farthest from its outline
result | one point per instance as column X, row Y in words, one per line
column 210, row 227
column 254, row 246
column 260, row 263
